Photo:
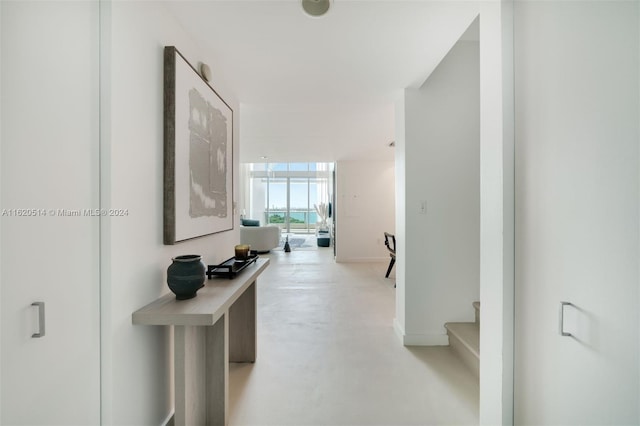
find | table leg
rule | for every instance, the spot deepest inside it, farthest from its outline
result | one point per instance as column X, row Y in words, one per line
column 218, row 372
column 242, row 327
column 201, row 374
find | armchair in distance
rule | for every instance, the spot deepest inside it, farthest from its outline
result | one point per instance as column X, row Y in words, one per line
column 261, row 238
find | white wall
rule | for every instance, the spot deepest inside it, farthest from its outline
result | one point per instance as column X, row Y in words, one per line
column 137, row 366
column 1, row 181
column 365, row 209
column 49, row 156
column 496, row 212
column 258, row 194
column 577, row 135
column 401, row 202
column 440, row 248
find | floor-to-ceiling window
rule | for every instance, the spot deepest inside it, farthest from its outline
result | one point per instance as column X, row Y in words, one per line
column 293, row 196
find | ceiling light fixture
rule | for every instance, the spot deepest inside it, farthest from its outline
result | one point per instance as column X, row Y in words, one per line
column 316, row 8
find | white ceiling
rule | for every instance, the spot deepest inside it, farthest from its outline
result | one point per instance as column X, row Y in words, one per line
column 321, row 88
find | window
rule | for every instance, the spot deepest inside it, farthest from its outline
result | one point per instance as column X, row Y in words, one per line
column 285, row 194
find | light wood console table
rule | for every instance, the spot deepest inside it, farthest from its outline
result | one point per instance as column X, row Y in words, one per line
column 214, row 328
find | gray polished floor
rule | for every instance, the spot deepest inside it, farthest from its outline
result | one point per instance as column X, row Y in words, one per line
column 328, row 354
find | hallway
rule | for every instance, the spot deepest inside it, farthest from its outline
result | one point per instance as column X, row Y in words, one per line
column 328, row 354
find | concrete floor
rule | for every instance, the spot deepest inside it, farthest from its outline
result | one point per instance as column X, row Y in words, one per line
column 328, row 353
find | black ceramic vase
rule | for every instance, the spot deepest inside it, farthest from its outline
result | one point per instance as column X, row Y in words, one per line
column 186, row 275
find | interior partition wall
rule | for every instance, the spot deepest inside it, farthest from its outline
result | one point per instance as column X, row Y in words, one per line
column 293, row 196
column 577, row 351
column 50, row 150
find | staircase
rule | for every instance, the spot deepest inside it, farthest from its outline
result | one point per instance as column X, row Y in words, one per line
column 464, row 339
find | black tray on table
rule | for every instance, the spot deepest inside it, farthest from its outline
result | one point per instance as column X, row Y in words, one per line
column 230, row 267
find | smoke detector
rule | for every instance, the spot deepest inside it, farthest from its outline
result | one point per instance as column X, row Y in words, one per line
column 316, row 8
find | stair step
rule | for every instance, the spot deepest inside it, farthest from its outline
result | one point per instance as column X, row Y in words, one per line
column 476, row 306
column 464, row 339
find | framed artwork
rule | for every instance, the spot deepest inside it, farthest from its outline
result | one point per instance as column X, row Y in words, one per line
column 198, row 154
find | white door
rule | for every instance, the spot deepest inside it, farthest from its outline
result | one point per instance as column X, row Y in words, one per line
column 577, row 110
column 49, row 245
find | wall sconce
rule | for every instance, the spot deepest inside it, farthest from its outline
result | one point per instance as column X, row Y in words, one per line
column 205, row 71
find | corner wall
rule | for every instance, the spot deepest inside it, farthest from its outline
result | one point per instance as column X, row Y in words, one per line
column 137, row 370
column 440, row 243
column 1, row 182
column 401, row 201
column 497, row 212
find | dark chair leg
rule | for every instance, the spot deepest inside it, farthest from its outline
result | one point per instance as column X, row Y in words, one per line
column 393, row 260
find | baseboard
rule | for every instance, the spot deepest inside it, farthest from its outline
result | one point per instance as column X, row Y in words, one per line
column 426, row 340
column 419, row 339
column 398, row 329
column 361, row 259
column 169, row 421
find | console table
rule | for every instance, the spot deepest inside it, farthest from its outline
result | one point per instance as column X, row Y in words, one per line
column 214, row 328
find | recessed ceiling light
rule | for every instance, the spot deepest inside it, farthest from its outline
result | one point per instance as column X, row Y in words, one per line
column 316, row 8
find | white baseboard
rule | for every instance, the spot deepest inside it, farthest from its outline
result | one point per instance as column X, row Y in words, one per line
column 362, row 259
column 398, row 329
column 169, row 421
column 422, row 339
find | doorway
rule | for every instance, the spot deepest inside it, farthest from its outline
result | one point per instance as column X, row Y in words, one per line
column 293, row 196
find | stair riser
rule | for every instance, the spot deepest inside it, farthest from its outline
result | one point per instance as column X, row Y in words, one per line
column 467, row 357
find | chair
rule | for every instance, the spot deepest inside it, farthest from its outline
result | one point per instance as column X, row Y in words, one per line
column 390, row 242
column 260, row 238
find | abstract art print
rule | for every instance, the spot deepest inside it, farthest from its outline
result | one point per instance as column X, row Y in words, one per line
column 198, row 154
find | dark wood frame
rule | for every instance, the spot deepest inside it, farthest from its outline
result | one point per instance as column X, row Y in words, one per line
column 171, row 56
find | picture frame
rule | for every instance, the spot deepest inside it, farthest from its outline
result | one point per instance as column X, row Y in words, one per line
column 198, row 154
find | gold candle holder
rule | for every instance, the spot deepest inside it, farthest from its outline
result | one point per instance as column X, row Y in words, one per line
column 243, row 251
